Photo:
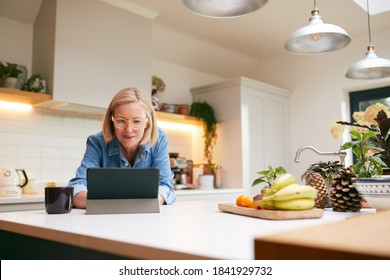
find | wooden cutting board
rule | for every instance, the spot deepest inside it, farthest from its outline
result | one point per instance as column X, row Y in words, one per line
column 271, row 214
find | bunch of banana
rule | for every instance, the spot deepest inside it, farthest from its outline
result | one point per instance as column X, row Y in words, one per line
column 286, row 194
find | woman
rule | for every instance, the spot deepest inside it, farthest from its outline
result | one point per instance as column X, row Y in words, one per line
column 130, row 138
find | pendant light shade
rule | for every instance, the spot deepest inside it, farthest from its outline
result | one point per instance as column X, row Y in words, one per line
column 223, row 8
column 372, row 66
column 317, row 37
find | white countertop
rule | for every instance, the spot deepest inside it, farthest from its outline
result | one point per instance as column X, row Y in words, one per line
column 184, row 230
column 23, row 198
column 23, row 202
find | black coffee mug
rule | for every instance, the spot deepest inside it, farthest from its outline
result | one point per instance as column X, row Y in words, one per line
column 58, row 200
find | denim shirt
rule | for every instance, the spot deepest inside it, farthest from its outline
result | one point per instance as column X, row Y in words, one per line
column 100, row 154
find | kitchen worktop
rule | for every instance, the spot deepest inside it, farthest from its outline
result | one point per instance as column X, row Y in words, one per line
column 185, row 230
column 22, row 202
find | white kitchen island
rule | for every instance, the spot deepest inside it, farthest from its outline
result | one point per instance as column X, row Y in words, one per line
column 185, row 230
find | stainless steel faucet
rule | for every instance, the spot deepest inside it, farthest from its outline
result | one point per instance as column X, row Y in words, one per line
column 341, row 154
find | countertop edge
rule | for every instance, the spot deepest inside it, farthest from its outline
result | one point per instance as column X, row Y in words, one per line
column 128, row 250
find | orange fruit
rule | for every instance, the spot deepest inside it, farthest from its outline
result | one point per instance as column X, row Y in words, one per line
column 239, row 200
column 245, row 201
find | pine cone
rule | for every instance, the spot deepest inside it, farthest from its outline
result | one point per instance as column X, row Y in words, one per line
column 344, row 196
column 316, row 181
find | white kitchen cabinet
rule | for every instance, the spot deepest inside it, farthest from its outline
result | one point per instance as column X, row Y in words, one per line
column 89, row 50
column 254, row 130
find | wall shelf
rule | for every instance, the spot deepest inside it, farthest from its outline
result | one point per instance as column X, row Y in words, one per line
column 177, row 118
column 26, row 97
column 34, row 98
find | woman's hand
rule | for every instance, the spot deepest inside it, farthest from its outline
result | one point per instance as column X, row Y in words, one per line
column 161, row 200
column 80, row 200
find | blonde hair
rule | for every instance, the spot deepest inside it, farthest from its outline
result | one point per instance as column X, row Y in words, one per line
column 130, row 95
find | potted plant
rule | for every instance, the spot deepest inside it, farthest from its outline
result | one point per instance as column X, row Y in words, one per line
column 204, row 111
column 35, row 84
column 158, row 85
column 371, row 146
column 9, row 74
column 370, row 140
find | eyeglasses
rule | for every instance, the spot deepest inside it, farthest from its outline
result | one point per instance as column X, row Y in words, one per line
column 135, row 124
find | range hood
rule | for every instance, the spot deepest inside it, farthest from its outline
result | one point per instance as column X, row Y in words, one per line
column 71, row 108
column 87, row 58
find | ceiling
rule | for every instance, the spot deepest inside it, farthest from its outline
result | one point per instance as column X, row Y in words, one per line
column 265, row 31
column 258, row 34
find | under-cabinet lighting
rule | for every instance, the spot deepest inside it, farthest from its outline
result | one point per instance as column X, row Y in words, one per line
column 15, row 106
column 176, row 126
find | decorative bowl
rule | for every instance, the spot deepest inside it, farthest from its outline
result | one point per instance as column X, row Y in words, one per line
column 376, row 191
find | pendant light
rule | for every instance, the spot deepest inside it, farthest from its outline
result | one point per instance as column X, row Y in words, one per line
column 223, row 8
column 372, row 66
column 317, row 37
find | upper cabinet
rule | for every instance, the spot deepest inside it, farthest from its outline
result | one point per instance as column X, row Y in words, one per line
column 254, row 130
column 89, row 50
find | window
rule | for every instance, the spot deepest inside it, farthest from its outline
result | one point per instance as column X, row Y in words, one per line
column 360, row 100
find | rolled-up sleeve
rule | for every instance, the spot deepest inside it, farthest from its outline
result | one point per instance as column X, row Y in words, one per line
column 168, row 194
column 162, row 162
column 92, row 158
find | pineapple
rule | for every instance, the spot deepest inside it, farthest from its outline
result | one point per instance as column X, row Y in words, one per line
column 344, row 196
column 316, row 181
column 327, row 171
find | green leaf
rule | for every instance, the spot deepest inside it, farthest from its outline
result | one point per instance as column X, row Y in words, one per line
column 376, row 148
column 356, row 134
column 280, row 170
column 366, row 149
column 378, row 160
column 348, row 145
column 264, row 172
column 357, row 152
column 258, row 181
column 369, row 134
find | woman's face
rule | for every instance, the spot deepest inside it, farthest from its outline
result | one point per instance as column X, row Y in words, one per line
column 134, row 114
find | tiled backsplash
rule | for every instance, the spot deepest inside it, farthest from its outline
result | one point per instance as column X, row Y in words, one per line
column 50, row 144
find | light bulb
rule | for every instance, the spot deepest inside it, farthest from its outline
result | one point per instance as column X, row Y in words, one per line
column 315, row 36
